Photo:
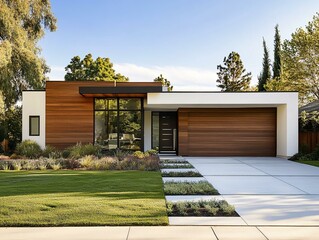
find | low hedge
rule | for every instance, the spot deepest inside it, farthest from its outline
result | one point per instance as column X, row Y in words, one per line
column 174, row 166
column 200, row 208
column 181, row 174
column 90, row 162
column 189, row 188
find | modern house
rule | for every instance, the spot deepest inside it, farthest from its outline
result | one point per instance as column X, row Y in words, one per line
column 142, row 115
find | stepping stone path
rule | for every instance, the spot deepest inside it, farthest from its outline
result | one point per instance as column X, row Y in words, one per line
column 191, row 220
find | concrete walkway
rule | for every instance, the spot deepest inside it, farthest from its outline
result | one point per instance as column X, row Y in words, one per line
column 161, row 233
column 265, row 191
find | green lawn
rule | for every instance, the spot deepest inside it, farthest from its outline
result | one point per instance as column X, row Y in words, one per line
column 79, row 198
column 310, row 162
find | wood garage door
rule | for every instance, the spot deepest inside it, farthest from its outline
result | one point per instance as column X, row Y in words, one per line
column 227, row 132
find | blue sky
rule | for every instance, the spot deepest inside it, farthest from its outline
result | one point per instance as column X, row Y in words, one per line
column 184, row 40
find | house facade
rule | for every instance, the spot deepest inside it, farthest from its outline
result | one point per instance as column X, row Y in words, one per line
column 142, row 116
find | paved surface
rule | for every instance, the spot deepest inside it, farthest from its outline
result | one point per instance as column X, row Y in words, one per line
column 265, row 191
column 161, row 233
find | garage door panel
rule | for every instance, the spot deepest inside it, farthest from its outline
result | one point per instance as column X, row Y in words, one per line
column 228, row 132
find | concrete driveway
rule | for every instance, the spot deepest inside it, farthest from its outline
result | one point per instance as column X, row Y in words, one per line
column 265, row 191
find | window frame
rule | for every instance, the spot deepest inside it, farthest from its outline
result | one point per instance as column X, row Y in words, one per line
column 118, row 110
column 30, row 125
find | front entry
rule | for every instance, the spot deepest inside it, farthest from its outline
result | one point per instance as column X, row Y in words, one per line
column 165, row 131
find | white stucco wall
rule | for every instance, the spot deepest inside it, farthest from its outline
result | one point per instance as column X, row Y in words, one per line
column 285, row 102
column 33, row 104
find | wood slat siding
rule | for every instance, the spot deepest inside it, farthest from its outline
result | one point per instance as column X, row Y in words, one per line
column 227, row 132
column 69, row 115
column 308, row 139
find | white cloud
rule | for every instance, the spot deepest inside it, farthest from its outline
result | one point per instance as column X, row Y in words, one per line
column 57, row 73
column 182, row 78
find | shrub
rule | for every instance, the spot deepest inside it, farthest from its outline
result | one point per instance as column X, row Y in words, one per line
column 173, row 161
column 51, row 152
column 200, row 208
column 107, row 163
column 302, row 156
column 87, row 161
column 30, row 165
column 139, row 154
column 71, row 163
column 54, row 164
column 4, row 165
column 189, row 188
column 79, row 150
column 15, row 156
column 181, row 174
column 16, row 165
column 152, row 152
column 41, row 164
column 29, row 149
column 174, row 165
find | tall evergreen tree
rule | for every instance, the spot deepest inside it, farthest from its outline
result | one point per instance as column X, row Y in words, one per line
column 265, row 74
column 232, row 76
column 277, row 55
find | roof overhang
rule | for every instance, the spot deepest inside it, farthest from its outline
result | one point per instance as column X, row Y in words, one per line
column 118, row 91
column 176, row 100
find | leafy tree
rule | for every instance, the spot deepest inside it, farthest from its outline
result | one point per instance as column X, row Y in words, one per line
column 300, row 58
column 277, row 55
column 22, row 25
column 164, row 82
column 265, row 74
column 232, row 76
column 11, row 126
column 100, row 69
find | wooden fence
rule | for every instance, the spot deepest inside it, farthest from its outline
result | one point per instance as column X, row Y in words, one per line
column 309, row 139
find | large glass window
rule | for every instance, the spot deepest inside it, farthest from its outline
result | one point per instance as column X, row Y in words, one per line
column 118, row 123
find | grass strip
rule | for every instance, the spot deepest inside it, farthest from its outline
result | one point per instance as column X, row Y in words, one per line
column 189, row 188
column 310, row 162
column 201, row 208
column 181, row 174
column 81, row 198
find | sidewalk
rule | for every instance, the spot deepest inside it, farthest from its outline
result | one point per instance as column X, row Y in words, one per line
column 161, row 233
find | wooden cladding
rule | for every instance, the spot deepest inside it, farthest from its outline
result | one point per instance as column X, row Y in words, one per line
column 227, row 132
column 69, row 115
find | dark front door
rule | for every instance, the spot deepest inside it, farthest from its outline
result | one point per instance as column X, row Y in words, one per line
column 167, row 131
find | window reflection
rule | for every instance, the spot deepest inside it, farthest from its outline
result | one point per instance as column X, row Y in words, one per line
column 118, row 123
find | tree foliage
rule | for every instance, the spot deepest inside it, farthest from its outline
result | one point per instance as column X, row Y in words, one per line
column 277, row 55
column 22, row 24
column 11, row 126
column 300, row 59
column 164, row 82
column 265, row 74
column 232, row 76
column 100, row 69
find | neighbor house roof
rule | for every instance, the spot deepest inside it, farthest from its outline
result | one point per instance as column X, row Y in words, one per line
column 310, row 107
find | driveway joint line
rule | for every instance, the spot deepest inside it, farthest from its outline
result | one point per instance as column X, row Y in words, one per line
column 128, row 233
column 280, row 179
column 262, row 233
column 214, row 232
